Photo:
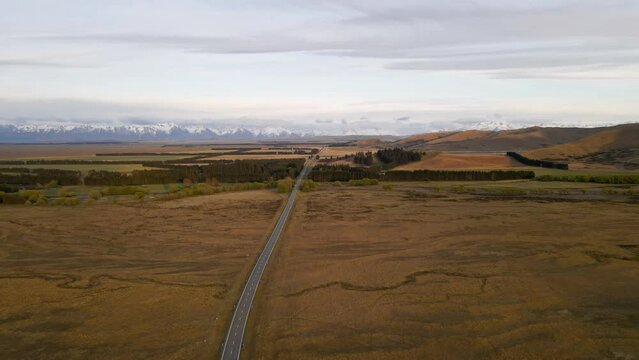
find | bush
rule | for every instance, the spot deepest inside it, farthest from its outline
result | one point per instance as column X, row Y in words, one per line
column 95, row 195
column 337, row 183
column 387, row 187
column 363, row 182
column 308, row 185
column 23, row 196
column 51, row 184
column 284, row 186
column 123, row 190
column 71, row 201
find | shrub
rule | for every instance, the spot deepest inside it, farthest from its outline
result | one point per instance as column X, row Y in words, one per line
column 284, row 186
column 95, row 195
column 123, row 190
column 387, row 187
column 139, row 195
column 71, row 201
column 308, row 185
column 363, row 182
column 337, row 183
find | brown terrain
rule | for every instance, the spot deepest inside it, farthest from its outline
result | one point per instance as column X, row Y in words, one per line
column 417, row 273
column 618, row 145
column 65, row 151
column 505, row 140
column 453, row 161
column 151, row 280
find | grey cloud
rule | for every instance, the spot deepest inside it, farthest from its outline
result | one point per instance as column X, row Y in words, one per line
column 327, row 121
column 403, row 119
column 504, row 39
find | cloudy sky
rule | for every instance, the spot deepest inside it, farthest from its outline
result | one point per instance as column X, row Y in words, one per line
column 402, row 65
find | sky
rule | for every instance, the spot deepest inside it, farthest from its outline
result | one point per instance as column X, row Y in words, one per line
column 401, row 66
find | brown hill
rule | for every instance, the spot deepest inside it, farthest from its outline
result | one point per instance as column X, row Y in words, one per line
column 505, row 140
column 605, row 140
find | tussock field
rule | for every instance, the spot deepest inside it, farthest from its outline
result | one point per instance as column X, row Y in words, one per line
column 417, row 273
column 152, row 280
column 88, row 151
column 456, row 161
column 257, row 156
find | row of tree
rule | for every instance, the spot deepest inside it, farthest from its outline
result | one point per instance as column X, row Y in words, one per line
column 233, row 171
column 599, row 179
column 398, row 156
column 34, row 177
column 538, row 163
column 364, row 158
column 327, row 173
column 229, row 171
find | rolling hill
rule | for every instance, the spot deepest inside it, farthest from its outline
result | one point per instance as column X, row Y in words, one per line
column 616, row 146
column 608, row 139
column 506, row 140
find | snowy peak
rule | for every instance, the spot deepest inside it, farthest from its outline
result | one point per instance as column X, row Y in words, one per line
column 162, row 131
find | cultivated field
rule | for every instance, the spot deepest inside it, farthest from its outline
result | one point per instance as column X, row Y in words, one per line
column 529, row 270
column 150, row 280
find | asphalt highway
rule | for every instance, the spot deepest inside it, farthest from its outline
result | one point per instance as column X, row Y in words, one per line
column 233, row 343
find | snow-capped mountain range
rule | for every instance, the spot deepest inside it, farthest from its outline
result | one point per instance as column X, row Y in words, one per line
column 28, row 132
column 163, row 131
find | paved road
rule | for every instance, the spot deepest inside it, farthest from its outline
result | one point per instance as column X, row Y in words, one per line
column 233, row 342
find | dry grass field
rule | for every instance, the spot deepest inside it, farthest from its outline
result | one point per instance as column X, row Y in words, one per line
column 151, row 280
column 456, row 161
column 88, row 151
column 417, row 273
column 257, row 156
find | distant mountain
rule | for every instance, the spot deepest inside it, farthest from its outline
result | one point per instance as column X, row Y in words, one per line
column 155, row 132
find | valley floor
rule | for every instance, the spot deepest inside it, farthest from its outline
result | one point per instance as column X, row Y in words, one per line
column 416, row 273
column 149, row 280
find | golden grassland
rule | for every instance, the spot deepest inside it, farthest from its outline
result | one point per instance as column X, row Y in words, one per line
column 459, row 161
column 156, row 279
column 88, row 151
column 423, row 272
column 257, row 156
